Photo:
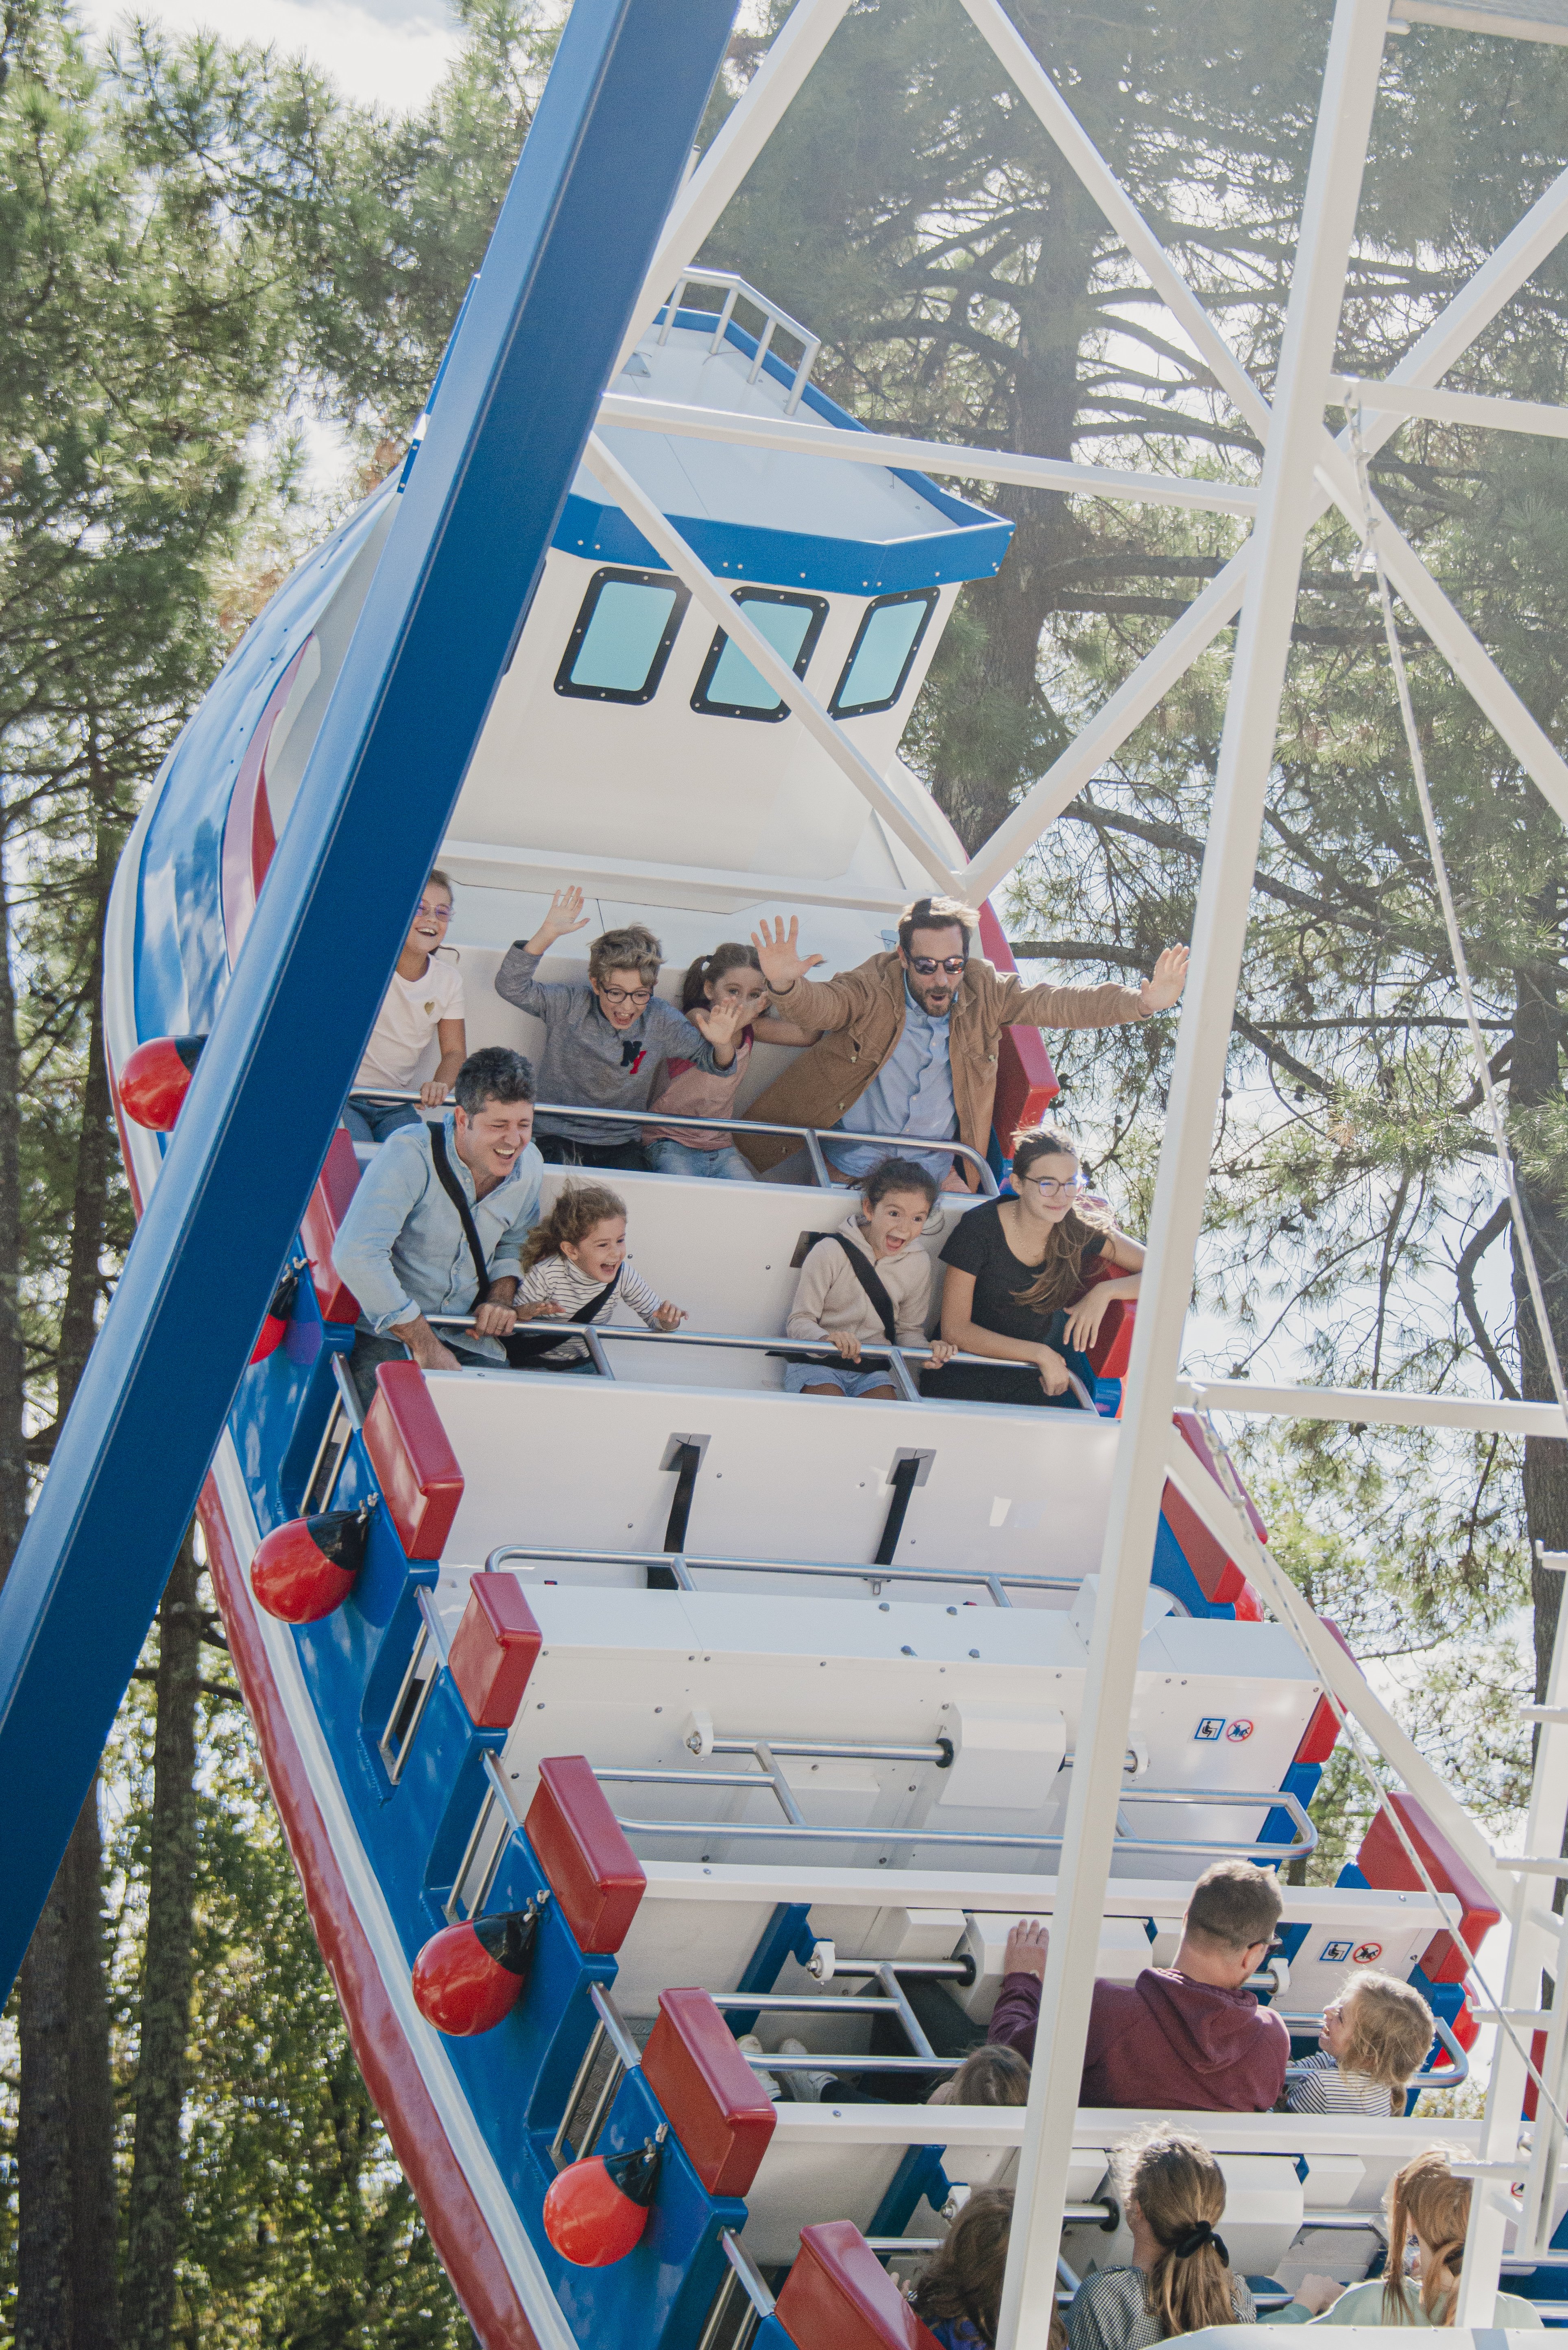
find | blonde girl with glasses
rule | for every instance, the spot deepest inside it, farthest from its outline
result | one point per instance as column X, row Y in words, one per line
column 1028, row 1282
column 423, row 1004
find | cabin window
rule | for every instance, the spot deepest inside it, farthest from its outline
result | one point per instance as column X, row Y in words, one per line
column 620, row 640
column 883, row 654
column 729, row 686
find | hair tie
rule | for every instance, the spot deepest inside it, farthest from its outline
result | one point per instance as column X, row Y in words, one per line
column 1195, row 2239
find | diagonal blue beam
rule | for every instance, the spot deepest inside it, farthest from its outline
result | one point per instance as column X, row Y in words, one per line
column 537, row 346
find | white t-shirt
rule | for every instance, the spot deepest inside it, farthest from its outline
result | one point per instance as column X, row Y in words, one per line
column 407, row 1023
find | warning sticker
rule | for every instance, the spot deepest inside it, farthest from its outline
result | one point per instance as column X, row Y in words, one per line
column 1365, row 1952
column 1236, row 1731
column 1211, row 1726
column 1333, row 1954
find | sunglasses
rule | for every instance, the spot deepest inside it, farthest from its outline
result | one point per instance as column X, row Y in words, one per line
column 928, row 965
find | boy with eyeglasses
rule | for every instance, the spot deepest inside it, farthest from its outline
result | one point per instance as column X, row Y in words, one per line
column 911, row 1038
column 423, row 1004
column 605, row 1039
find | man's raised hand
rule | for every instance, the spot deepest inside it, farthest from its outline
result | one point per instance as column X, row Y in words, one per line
column 1159, row 994
column 778, row 952
column 1026, row 1948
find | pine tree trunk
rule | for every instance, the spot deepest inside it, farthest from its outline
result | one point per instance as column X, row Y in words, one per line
column 95, row 2248
column 1535, row 1085
column 156, row 2208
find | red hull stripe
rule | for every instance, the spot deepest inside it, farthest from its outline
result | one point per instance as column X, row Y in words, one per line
column 457, row 2227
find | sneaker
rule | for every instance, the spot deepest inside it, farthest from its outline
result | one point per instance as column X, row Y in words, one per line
column 805, row 2087
column 749, row 2045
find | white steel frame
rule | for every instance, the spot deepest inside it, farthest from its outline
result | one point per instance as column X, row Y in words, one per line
column 1305, row 471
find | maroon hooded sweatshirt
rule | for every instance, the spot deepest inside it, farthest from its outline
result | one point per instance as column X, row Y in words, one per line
column 1163, row 2041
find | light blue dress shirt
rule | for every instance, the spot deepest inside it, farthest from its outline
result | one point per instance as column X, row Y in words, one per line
column 402, row 1249
column 913, row 1094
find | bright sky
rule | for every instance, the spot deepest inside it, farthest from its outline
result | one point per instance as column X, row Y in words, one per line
column 388, row 52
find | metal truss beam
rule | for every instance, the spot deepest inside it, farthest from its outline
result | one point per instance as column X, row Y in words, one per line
column 1246, row 759
column 1473, row 408
column 1380, row 1406
column 891, row 449
column 539, row 341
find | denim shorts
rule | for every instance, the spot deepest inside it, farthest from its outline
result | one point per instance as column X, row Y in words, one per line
column 849, row 1378
column 723, row 1166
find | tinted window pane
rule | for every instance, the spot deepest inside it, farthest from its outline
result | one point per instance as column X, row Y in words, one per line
column 734, row 681
column 885, row 644
column 623, row 637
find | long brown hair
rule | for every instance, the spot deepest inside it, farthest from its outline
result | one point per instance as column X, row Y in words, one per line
column 1390, row 2031
column 578, row 1207
column 731, row 956
column 964, row 2281
column 1061, row 1274
column 1180, row 2189
column 1426, row 2197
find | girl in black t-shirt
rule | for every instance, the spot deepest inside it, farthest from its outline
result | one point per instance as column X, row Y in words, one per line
column 1015, row 1268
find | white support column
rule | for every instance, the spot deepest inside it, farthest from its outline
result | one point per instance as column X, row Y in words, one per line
column 716, row 599
column 696, row 212
column 1285, row 511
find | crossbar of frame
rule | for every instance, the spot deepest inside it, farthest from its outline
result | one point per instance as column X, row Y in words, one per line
column 1491, row 414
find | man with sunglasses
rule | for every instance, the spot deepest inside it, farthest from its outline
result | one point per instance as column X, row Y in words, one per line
column 604, row 1041
column 912, row 1037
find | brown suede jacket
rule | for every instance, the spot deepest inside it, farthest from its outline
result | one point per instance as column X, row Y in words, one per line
column 863, row 1012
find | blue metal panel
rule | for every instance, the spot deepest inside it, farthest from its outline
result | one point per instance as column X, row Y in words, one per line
column 786, row 1935
column 566, row 266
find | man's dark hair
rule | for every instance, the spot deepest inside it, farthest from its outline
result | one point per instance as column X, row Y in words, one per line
column 898, row 1175
column 938, row 914
column 1236, row 1904
column 495, row 1073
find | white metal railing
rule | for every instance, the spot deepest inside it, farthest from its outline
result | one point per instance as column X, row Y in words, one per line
column 812, row 1136
column 682, row 1565
column 737, row 288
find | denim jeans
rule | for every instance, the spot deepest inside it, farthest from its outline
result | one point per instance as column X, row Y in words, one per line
column 679, row 1159
column 369, row 1120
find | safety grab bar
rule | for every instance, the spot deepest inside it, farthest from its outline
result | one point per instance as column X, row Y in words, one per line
column 811, row 1136
column 735, row 287
column 996, row 1584
column 793, row 1825
column 626, row 1334
column 1448, row 2076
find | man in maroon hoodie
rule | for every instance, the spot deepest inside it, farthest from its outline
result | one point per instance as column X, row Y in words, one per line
column 1184, row 2038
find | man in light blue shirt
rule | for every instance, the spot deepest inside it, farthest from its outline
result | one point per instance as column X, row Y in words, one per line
column 913, row 1094
column 403, row 1248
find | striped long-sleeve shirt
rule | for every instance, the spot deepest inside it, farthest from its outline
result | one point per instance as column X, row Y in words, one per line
column 558, row 1282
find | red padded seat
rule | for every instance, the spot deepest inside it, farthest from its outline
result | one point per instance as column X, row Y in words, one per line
column 494, row 1650
column 713, row 2100
column 838, row 2296
column 592, row 1870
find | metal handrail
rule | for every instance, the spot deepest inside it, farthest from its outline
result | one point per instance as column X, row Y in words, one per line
column 736, row 286
column 625, row 1334
column 790, row 1828
column 811, row 1136
column 994, row 1582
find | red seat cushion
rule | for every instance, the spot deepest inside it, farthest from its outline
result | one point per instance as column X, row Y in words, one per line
column 420, row 1481
column 494, row 1650
column 321, row 1223
column 592, row 1870
column 838, row 2296
column 713, row 2100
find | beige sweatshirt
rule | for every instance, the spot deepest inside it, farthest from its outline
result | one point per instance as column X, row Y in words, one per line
column 828, row 1296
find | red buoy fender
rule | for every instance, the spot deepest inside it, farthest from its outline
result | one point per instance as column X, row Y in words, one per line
column 271, row 1335
column 306, row 1567
column 156, row 1078
column 596, row 2210
column 469, row 1976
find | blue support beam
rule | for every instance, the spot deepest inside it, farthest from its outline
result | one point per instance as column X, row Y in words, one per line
column 538, row 344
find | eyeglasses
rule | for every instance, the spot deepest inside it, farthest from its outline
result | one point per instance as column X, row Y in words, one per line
column 434, row 913
column 1049, row 1189
column 928, row 965
column 625, row 994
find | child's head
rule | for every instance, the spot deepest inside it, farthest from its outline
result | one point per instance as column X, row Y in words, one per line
column 1178, row 2190
column 731, row 969
column 963, row 2280
column 1380, row 2028
column 587, row 1227
column 428, row 930
column 896, row 1203
column 623, row 971
column 994, row 2075
column 1424, row 2199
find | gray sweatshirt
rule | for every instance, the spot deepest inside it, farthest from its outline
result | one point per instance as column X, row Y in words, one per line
column 586, row 1060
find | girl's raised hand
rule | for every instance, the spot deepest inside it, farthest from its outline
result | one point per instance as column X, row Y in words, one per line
column 720, row 1023
column 669, row 1318
column 778, row 952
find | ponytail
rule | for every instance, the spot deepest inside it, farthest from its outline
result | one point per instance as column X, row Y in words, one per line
column 731, row 956
column 1426, row 2198
column 1180, row 2189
